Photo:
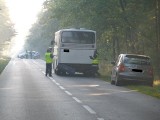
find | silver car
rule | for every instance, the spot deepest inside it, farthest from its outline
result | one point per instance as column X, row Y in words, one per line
column 132, row 67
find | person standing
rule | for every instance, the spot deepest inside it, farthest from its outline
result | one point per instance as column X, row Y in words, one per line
column 95, row 61
column 49, row 60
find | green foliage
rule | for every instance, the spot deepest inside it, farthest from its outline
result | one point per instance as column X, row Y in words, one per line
column 123, row 26
column 152, row 91
column 3, row 62
column 6, row 27
column 42, row 33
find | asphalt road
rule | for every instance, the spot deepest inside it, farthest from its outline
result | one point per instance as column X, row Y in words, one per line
column 27, row 94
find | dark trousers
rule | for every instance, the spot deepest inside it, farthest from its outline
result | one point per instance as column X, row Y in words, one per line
column 49, row 69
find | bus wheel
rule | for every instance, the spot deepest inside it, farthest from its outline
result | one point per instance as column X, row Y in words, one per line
column 57, row 72
column 89, row 74
column 60, row 72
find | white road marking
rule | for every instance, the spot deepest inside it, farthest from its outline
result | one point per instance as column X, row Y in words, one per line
column 53, row 80
column 100, row 118
column 50, row 78
column 68, row 93
column 77, row 100
column 89, row 109
column 62, row 87
column 57, row 84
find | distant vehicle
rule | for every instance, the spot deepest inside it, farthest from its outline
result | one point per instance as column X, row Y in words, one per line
column 132, row 67
column 72, row 50
column 29, row 55
column 22, row 55
column 35, row 55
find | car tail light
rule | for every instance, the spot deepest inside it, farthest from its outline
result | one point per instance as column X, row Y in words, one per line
column 121, row 68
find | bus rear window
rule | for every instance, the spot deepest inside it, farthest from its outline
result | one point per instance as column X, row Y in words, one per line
column 78, row 37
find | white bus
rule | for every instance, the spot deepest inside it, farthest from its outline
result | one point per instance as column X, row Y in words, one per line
column 72, row 51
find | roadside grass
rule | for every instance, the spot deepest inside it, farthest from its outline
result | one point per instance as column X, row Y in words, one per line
column 3, row 62
column 151, row 91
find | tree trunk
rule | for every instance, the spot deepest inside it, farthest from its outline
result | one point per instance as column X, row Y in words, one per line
column 114, row 49
column 158, row 35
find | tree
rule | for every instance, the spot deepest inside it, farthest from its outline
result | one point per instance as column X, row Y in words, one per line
column 6, row 27
column 123, row 26
column 42, row 33
column 157, row 11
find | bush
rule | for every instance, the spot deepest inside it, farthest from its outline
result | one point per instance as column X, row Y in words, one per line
column 3, row 62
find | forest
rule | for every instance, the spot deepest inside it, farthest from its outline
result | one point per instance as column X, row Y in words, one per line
column 122, row 26
column 6, row 29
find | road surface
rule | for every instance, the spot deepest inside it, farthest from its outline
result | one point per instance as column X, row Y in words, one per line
column 27, row 94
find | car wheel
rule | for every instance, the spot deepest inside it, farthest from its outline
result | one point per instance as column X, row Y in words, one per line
column 117, row 81
column 112, row 82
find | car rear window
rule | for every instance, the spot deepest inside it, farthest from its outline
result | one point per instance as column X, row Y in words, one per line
column 140, row 60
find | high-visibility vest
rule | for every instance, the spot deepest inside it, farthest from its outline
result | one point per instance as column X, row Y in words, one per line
column 95, row 61
column 48, row 58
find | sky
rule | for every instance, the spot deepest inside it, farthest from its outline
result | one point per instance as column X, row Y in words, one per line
column 23, row 13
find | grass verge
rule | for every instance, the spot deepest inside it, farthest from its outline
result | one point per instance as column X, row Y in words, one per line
column 151, row 91
column 3, row 62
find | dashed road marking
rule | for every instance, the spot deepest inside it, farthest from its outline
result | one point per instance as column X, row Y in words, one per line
column 68, row 93
column 62, row 87
column 50, row 78
column 100, row 118
column 57, row 84
column 90, row 110
column 77, row 100
column 54, row 81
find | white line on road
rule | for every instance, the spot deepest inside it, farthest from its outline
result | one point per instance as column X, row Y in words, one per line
column 50, row 78
column 53, row 80
column 68, row 93
column 57, row 84
column 62, row 87
column 77, row 100
column 89, row 109
column 100, row 118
